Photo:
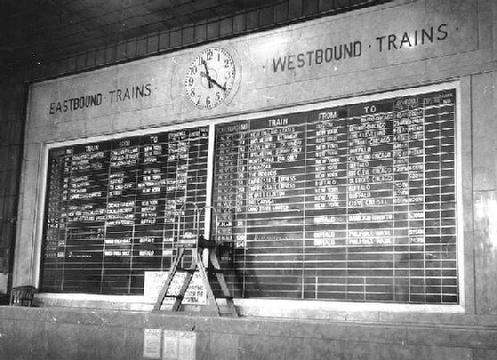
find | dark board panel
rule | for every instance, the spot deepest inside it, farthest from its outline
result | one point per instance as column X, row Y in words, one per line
column 113, row 208
column 355, row 202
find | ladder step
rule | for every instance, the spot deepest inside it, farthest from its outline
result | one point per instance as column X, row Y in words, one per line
column 179, row 296
column 228, row 312
column 216, row 271
column 189, row 270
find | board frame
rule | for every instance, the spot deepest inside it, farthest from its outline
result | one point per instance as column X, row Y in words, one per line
column 266, row 306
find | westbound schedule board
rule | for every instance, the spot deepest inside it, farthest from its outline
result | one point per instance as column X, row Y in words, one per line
column 355, row 202
column 114, row 209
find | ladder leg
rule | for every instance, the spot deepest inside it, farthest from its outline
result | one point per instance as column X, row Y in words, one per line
column 170, row 276
column 210, row 295
column 227, row 294
column 231, row 306
column 182, row 291
column 222, row 282
column 219, row 275
column 213, row 259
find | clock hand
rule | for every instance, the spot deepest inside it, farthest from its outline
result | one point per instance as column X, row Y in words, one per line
column 218, row 85
column 205, row 66
column 206, row 74
column 209, row 79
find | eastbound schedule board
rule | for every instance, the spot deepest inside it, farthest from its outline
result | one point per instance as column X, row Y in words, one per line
column 355, row 202
column 115, row 208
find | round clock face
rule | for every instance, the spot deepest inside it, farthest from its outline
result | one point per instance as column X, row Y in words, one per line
column 210, row 78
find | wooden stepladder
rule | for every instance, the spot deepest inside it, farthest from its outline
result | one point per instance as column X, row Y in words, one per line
column 195, row 246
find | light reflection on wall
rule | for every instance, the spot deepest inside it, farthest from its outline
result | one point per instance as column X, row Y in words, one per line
column 270, row 45
column 486, row 216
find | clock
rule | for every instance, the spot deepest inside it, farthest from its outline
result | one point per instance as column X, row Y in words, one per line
column 210, row 78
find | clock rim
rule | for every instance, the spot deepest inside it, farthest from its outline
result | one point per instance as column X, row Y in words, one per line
column 227, row 97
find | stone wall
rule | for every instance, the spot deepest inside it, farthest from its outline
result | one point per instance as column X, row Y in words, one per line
column 55, row 333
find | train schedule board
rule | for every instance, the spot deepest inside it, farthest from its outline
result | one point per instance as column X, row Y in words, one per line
column 353, row 203
column 115, row 208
